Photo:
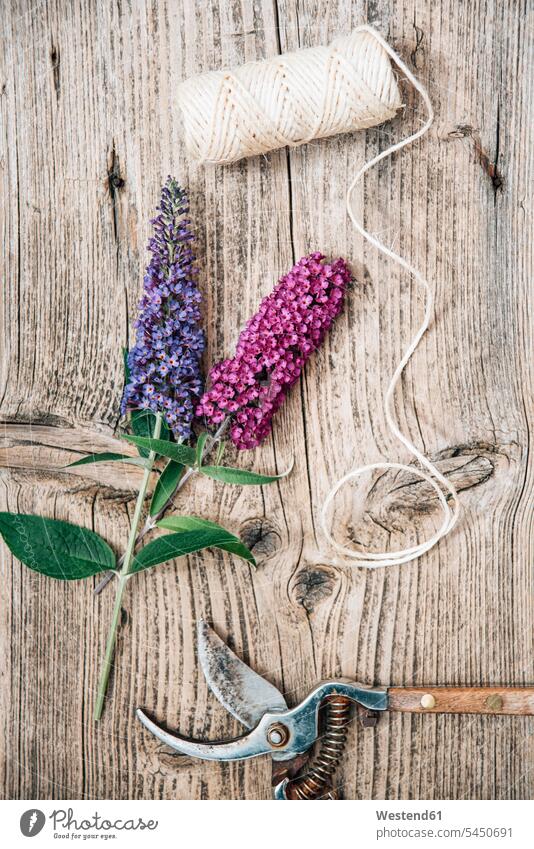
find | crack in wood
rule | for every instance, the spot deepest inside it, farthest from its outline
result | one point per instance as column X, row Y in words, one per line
column 55, row 60
column 115, row 183
column 419, row 38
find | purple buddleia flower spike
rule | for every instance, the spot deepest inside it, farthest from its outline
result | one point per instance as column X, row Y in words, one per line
column 164, row 364
column 271, row 351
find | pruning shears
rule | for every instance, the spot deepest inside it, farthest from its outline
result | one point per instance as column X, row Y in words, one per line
column 288, row 734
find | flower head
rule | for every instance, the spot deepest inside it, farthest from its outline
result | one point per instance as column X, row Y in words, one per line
column 272, row 349
column 164, row 364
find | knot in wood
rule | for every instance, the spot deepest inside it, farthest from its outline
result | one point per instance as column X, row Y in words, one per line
column 262, row 537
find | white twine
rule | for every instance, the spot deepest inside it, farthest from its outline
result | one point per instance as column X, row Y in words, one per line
column 290, row 100
column 432, row 476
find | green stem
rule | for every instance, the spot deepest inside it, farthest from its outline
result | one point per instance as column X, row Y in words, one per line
column 123, row 578
column 151, row 521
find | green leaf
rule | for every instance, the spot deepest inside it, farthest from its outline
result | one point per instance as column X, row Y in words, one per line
column 143, row 423
column 191, row 523
column 54, row 548
column 173, row 450
column 201, row 442
column 108, row 457
column 170, row 546
column 167, row 483
column 227, row 474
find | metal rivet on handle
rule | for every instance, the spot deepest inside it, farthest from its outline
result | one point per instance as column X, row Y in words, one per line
column 428, row 701
column 494, row 702
column 277, row 735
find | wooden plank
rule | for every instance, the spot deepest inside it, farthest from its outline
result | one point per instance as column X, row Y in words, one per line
column 89, row 131
column 440, row 619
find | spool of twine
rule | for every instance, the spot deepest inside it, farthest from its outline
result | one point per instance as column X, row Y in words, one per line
column 288, row 100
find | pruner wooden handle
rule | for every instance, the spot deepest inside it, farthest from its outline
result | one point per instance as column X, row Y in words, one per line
column 485, row 700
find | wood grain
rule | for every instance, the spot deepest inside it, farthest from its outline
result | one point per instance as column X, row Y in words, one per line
column 89, row 130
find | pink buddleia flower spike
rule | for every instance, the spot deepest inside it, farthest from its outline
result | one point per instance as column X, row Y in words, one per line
column 272, row 349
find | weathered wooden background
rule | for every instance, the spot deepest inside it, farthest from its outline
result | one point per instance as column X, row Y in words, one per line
column 89, row 130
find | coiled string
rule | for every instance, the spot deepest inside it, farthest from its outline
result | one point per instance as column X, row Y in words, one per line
column 432, row 475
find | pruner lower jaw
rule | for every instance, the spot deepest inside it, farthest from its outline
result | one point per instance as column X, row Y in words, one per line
column 284, row 733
